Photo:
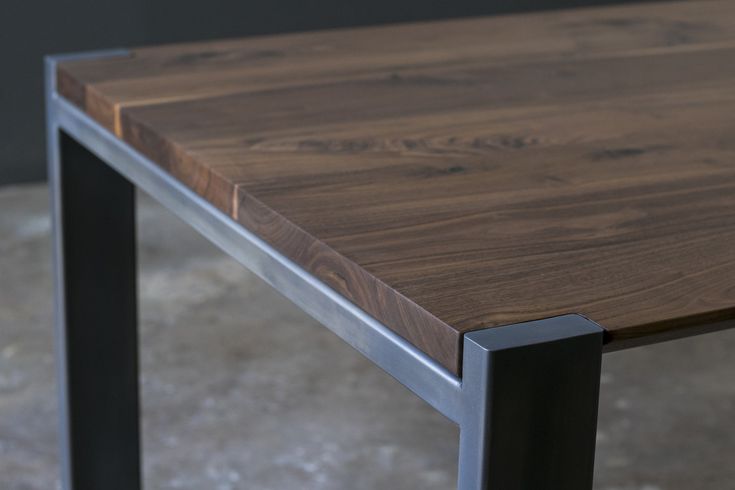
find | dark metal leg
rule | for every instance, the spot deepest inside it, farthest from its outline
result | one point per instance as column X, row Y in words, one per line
column 530, row 406
column 96, row 318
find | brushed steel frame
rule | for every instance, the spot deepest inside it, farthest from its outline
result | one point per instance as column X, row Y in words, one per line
column 490, row 402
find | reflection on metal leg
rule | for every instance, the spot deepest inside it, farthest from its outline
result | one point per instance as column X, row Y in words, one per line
column 94, row 227
column 530, row 394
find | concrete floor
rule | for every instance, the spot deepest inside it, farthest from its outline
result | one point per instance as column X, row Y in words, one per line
column 241, row 390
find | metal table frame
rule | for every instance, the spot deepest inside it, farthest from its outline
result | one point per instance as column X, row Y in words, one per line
column 526, row 402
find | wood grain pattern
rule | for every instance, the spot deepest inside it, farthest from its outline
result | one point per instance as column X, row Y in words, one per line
column 452, row 176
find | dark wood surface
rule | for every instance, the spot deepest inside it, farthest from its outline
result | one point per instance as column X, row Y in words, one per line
column 452, row 176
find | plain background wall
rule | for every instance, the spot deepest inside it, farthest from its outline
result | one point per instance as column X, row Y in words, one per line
column 31, row 28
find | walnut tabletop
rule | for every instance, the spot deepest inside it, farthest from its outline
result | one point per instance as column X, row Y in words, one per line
column 457, row 175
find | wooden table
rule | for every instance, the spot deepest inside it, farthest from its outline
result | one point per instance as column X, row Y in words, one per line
column 480, row 206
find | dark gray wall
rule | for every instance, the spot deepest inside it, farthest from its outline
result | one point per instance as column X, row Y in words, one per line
column 29, row 29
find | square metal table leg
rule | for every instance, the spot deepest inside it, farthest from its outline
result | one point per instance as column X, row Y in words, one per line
column 96, row 319
column 530, row 396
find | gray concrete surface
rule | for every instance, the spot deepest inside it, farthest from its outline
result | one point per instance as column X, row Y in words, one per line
column 241, row 390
